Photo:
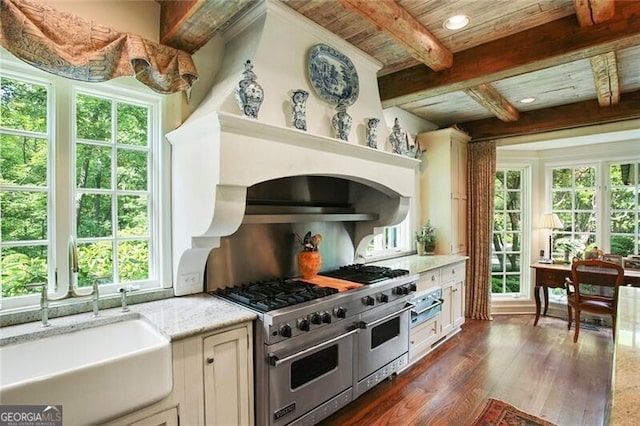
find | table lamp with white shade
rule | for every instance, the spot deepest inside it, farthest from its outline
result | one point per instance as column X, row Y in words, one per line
column 550, row 221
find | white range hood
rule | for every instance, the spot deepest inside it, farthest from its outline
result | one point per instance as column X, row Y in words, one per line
column 218, row 153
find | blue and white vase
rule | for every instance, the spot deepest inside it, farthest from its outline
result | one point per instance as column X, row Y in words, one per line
column 299, row 108
column 341, row 122
column 372, row 132
column 397, row 138
column 249, row 93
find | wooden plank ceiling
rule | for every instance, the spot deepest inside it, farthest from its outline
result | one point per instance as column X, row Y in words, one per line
column 580, row 59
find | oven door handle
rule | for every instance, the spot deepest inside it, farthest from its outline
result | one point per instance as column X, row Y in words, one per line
column 364, row 325
column 433, row 305
column 275, row 361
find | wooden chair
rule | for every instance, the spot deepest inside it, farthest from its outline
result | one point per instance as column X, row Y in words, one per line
column 597, row 273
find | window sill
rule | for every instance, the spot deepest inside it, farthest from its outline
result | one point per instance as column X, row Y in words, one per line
column 79, row 305
column 385, row 255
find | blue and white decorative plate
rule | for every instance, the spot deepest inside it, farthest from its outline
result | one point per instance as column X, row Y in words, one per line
column 333, row 75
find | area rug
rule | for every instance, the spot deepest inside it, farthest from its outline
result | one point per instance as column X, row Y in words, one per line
column 499, row 413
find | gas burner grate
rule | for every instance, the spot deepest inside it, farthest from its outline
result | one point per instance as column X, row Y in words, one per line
column 365, row 274
column 269, row 295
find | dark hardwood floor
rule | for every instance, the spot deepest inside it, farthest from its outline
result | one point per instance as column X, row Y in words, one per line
column 537, row 369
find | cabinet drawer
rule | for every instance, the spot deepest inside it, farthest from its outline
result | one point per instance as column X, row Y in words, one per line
column 428, row 280
column 551, row 278
column 453, row 272
column 422, row 337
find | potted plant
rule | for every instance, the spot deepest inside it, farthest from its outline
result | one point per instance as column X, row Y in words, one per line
column 309, row 259
column 426, row 239
column 569, row 247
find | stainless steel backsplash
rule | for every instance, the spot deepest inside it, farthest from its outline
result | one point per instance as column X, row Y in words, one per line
column 261, row 251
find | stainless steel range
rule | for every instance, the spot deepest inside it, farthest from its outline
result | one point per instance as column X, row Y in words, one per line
column 317, row 349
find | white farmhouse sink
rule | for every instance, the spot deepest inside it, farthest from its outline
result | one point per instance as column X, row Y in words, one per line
column 96, row 373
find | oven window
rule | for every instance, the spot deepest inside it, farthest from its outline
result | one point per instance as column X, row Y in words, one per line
column 313, row 366
column 385, row 332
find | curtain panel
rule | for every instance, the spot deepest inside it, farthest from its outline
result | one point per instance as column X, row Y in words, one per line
column 481, row 190
column 69, row 46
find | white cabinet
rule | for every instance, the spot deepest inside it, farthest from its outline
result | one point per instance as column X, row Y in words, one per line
column 453, row 288
column 426, row 336
column 212, row 382
column 422, row 337
column 428, row 280
column 443, row 187
column 228, row 382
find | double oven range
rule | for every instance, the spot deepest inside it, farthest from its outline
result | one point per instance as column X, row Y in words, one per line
column 317, row 349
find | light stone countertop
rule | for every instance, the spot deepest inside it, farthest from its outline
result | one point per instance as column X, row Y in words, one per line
column 417, row 264
column 175, row 317
column 625, row 403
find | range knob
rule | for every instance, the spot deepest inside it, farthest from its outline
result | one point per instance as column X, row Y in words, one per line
column 340, row 312
column 326, row 318
column 401, row 290
column 383, row 298
column 370, row 301
column 303, row 324
column 412, row 287
column 316, row 318
column 285, row 330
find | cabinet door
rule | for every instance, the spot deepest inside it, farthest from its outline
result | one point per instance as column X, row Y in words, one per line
column 164, row 418
column 458, row 197
column 446, row 315
column 457, row 303
column 227, row 387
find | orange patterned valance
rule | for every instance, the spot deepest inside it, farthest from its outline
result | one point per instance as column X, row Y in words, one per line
column 69, row 46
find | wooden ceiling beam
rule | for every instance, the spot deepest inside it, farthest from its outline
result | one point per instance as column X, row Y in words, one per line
column 547, row 45
column 487, row 96
column 397, row 23
column 605, row 76
column 556, row 118
column 189, row 24
column 592, row 12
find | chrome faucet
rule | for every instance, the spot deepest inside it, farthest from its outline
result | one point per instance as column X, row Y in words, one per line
column 96, row 298
column 123, row 296
column 74, row 269
column 44, row 302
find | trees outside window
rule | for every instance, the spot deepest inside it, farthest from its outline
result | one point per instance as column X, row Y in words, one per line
column 80, row 160
column 507, row 254
column 25, row 184
column 574, row 198
column 624, row 205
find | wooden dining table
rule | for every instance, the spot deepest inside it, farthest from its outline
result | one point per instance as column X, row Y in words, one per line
column 553, row 276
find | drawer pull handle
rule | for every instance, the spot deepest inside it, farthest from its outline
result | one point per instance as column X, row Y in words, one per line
column 433, row 277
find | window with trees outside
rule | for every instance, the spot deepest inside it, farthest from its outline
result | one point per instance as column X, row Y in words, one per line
column 507, row 239
column 624, row 207
column 573, row 198
column 76, row 160
column 599, row 205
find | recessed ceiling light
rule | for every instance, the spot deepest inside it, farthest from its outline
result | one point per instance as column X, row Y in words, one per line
column 456, row 22
column 527, row 100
